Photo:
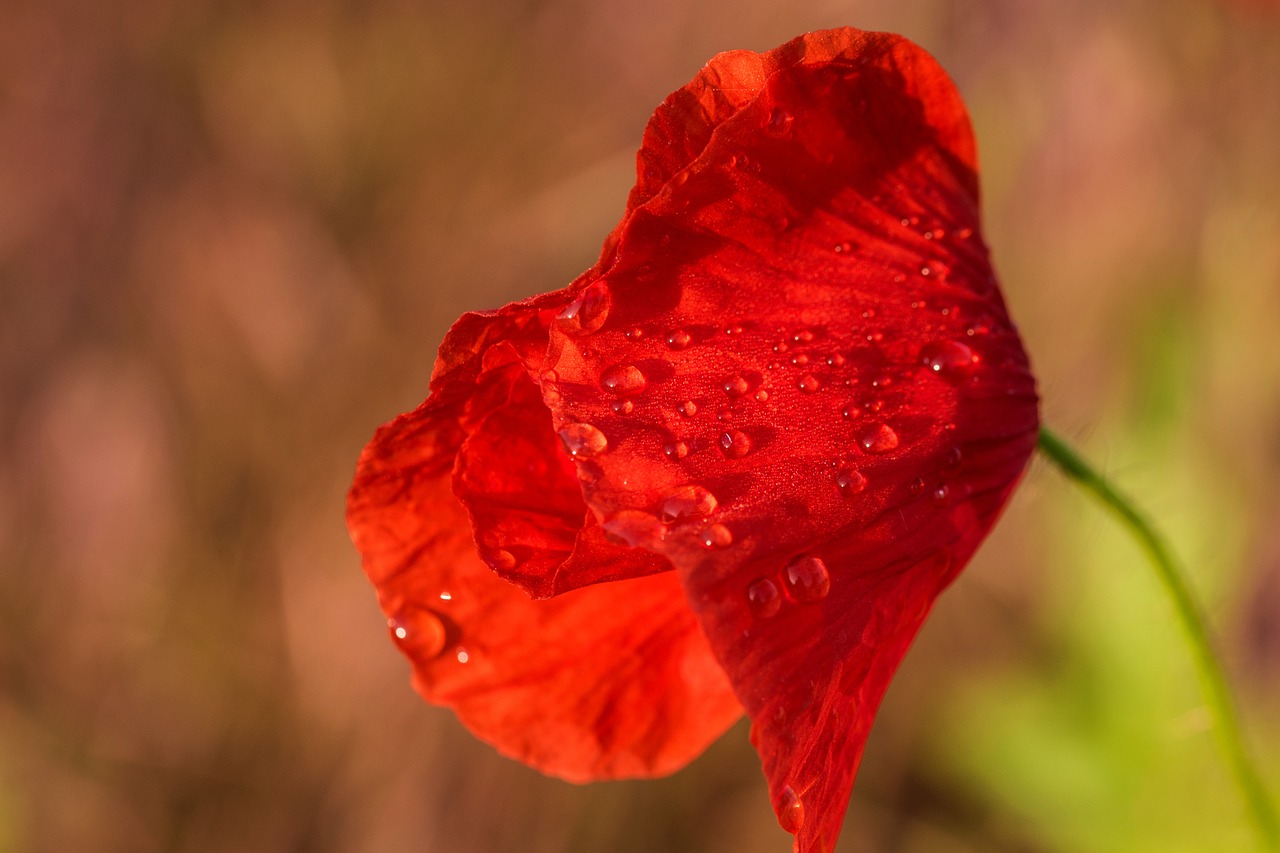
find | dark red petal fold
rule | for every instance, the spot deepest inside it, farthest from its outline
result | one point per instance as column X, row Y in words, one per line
column 556, row 684
column 813, row 400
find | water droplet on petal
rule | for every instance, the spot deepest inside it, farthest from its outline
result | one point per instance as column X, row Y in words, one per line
column 623, row 407
column 762, row 395
column 678, row 339
column 843, row 248
column 878, row 438
column 588, row 312
column 717, row 536
column 688, row 408
column 779, row 122
column 764, row 598
column 800, row 359
column 803, row 336
column 583, row 440
column 676, row 450
column 808, row 383
column 940, row 494
column 735, row 444
column 462, row 656
column 736, row 386
column 499, row 559
column 790, row 811
column 688, row 502
column 419, row 632
column 917, row 485
column 806, row 579
column 835, row 360
column 634, row 528
column 951, row 360
column 635, row 333
column 850, row 482
column 625, row 380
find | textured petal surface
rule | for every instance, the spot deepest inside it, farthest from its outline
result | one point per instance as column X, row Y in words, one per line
column 812, row 399
column 611, row 681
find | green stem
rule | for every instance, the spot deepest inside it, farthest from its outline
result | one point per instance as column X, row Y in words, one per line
column 1212, row 681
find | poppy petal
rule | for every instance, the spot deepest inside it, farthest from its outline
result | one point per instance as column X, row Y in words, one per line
column 814, row 400
column 550, row 683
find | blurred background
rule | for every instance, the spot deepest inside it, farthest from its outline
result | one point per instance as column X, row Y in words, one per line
column 232, row 236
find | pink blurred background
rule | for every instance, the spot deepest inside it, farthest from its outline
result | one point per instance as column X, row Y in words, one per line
column 232, row 236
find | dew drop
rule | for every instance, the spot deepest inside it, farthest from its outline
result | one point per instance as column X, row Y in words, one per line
column 735, row 444
column 678, row 339
column 733, row 330
column 781, row 347
column 951, row 360
column 634, row 528
column 635, row 333
column 780, row 122
column 869, row 314
column 808, row 383
column 878, row 438
column 926, row 270
column 800, row 359
column 588, row 312
column 583, row 440
column 499, row 559
column 688, row 502
column 623, row 407
column 463, row 656
column 850, row 482
column 940, row 494
column 803, row 336
column 676, row 450
column 917, row 485
column 762, row 395
column 418, row 632
column 764, row 599
column 625, row 380
column 843, row 248
column 790, row 811
column 717, row 536
column 835, row 360
column 688, row 408
column 736, row 386
column 806, row 579
column 725, row 415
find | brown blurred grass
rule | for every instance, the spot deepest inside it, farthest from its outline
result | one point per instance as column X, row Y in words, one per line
column 231, row 237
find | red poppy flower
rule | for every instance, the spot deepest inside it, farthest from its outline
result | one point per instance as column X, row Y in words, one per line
column 730, row 466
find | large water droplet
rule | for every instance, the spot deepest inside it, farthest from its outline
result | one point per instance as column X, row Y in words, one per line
column 850, row 482
column 419, row 632
column 735, row 443
column 588, row 312
column 790, row 811
column 498, row 559
column 583, row 440
column 717, row 536
column 736, row 386
column 691, row 501
column 878, row 438
column 809, row 383
column 678, row 339
column 625, row 380
column 951, row 360
column 634, row 528
column 806, row 579
column 764, row 599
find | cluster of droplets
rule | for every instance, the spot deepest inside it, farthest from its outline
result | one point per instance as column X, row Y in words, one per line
column 804, row 580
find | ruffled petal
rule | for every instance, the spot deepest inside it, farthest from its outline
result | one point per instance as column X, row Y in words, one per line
column 612, row 681
column 813, row 399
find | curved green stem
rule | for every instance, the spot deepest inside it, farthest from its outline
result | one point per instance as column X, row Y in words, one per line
column 1212, row 681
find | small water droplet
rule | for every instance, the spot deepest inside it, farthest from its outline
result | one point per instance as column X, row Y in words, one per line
column 588, row 312
column 926, row 270
column 951, row 360
column 736, row 386
column 869, row 314
column 635, row 333
column 624, row 380
column 735, row 444
column 499, row 559
column 808, row 383
column 850, row 482
column 764, row 599
column 678, row 339
column 780, row 122
column 419, row 632
column 623, row 407
column 835, row 360
column 781, row 347
column 717, row 536
column 446, row 596
column 917, row 485
column 806, row 579
column 800, row 359
column 691, row 501
column 843, row 248
column 762, row 395
column 875, row 337
column 952, row 460
column 463, row 656
column 873, row 406
column 940, row 494
column 878, row 438
column 634, row 528
column 676, row 450
column 803, row 336
column 790, row 811
column 733, row 330
column 583, row 440
column 725, row 415
column 688, row 408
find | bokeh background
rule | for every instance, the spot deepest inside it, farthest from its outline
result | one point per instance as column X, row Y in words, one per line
column 231, row 237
